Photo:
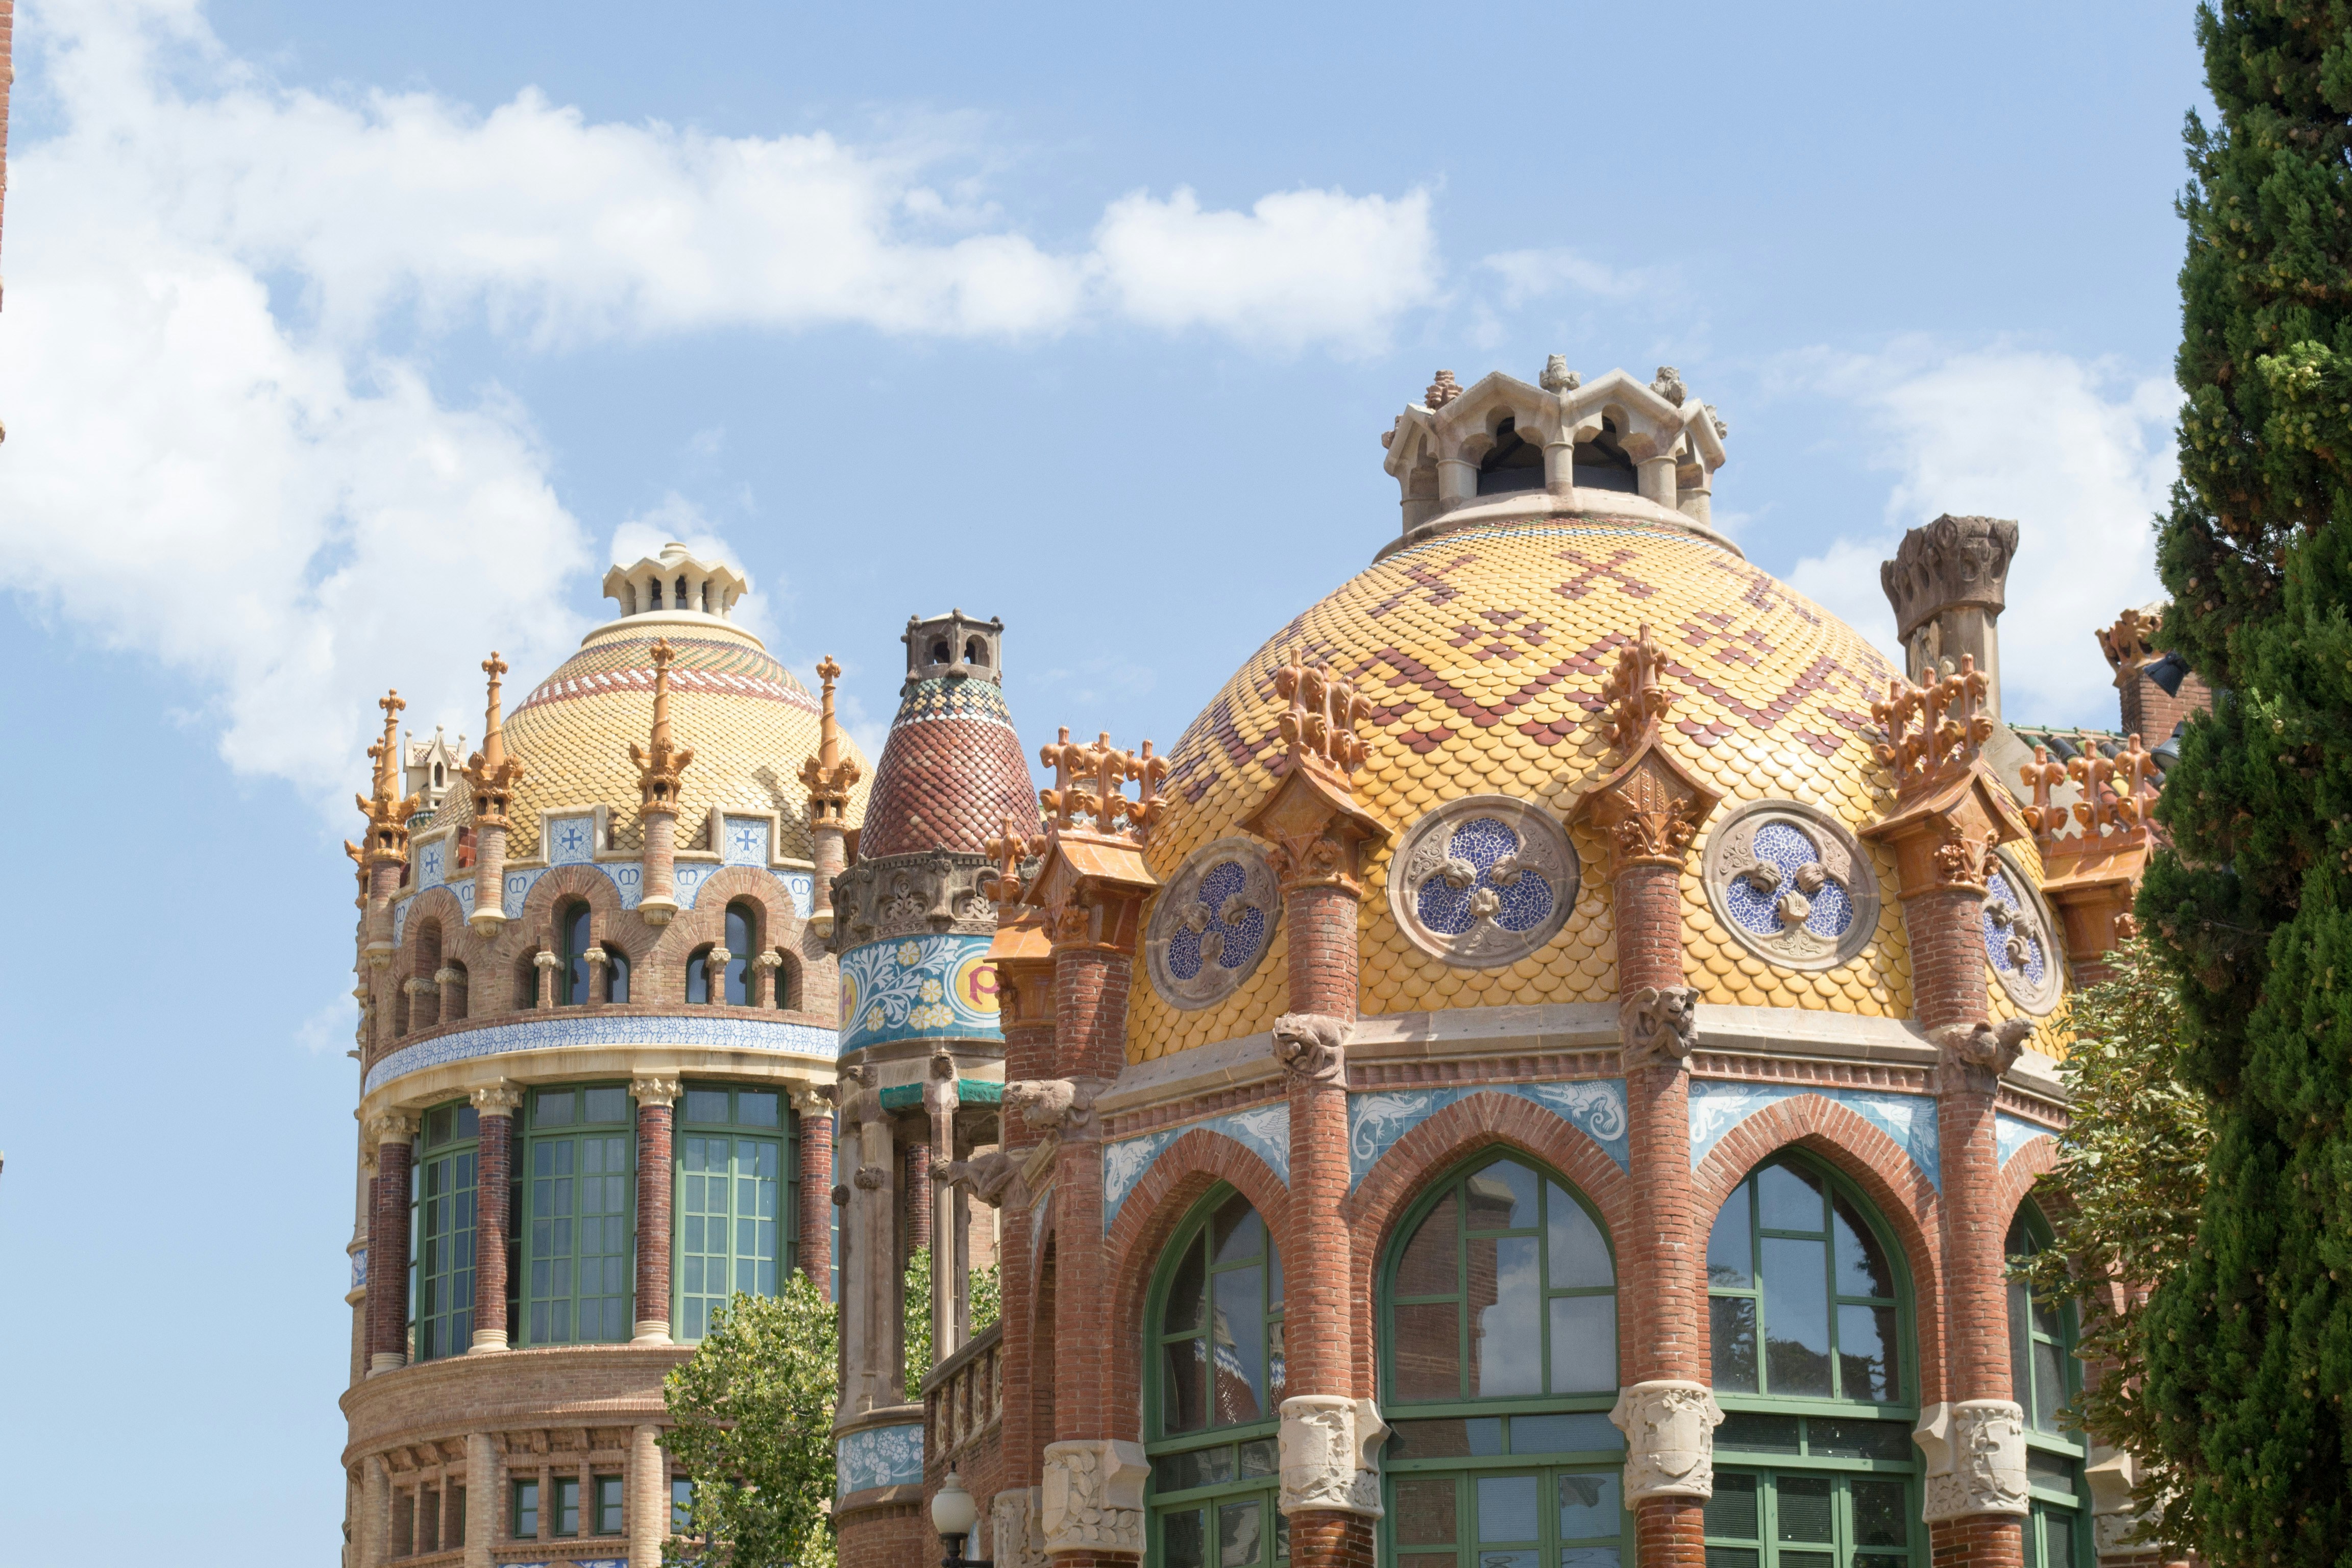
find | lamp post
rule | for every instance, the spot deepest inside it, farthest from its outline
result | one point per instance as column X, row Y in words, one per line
column 953, row 1514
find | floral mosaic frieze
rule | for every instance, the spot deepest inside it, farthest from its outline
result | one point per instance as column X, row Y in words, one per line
column 2011, row 1134
column 1790, row 883
column 1595, row 1106
column 878, row 1457
column 1212, row 923
column 919, row 987
column 1263, row 1130
column 1483, row 881
column 584, row 1028
column 1717, row 1106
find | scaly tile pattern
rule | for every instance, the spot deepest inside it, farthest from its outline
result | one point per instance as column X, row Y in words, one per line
column 1485, row 654
column 750, row 721
column 951, row 771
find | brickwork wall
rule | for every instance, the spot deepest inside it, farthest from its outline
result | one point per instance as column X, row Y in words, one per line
column 1979, row 1541
column 1090, row 991
column 2149, row 712
column 655, row 1123
column 1320, row 929
column 1028, row 1055
column 887, row 1535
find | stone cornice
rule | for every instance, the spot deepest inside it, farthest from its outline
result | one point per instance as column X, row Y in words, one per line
column 938, row 891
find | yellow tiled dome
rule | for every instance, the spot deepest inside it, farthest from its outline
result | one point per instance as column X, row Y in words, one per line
column 1484, row 651
column 750, row 721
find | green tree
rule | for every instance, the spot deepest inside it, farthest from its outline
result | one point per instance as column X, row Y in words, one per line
column 2248, row 1342
column 918, row 1315
column 2131, row 1165
column 752, row 1422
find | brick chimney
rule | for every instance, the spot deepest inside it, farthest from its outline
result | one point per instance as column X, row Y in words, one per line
column 1947, row 583
column 2155, row 690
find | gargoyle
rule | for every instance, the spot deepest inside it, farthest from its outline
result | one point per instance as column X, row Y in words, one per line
column 990, row 1176
column 1312, row 1046
column 1660, row 1026
column 1052, row 1104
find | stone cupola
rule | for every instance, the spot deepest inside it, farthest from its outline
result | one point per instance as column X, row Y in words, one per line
column 954, row 646
column 676, row 583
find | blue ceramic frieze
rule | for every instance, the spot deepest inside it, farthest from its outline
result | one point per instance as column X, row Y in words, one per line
column 1595, row 1106
column 917, row 987
column 878, row 1457
column 1717, row 1106
column 2013, row 1133
column 572, row 1027
column 1263, row 1130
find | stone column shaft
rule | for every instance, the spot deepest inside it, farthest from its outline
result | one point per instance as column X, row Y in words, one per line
column 388, row 1258
column 481, row 1500
column 660, row 900
column 493, row 1193
column 489, row 879
column 647, row 1503
column 816, row 1240
column 656, row 1101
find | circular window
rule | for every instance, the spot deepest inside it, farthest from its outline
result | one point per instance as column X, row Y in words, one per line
column 1791, row 884
column 2017, row 937
column 1483, row 881
column 1214, row 922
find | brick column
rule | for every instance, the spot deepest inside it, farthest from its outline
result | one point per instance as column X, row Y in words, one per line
column 481, row 1500
column 1949, row 815
column 917, row 1200
column 646, row 1495
column 493, row 1194
column 1649, row 810
column 815, row 1217
column 388, row 1243
column 656, row 1098
column 1024, row 988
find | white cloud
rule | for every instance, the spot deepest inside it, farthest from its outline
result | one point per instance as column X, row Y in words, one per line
column 2079, row 455
column 680, row 519
column 1537, row 274
column 331, row 1027
column 266, row 499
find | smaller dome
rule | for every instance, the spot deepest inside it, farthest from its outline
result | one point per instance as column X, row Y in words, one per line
column 953, row 771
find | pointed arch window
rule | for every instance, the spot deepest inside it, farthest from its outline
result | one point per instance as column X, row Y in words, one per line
column 1213, row 1391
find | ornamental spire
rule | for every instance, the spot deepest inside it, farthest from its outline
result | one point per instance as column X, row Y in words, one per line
column 387, row 813
column 1637, row 702
column 831, row 774
column 659, row 765
column 1319, row 725
column 1651, row 806
column 490, row 773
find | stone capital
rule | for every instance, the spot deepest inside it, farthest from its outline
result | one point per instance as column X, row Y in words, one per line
column 1017, row 1529
column 598, row 956
column 1669, row 1427
column 390, row 1127
column 654, row 1091
column 811, row 1100
column 446, row 975
column 1330, row 1448
column 1658, row 1027
column 546, row 960
column 1312, row 1048
column 497, row 1098
column 1317, row 835
column 1976, row 1459
column 1092, row 1496
column 416, row 985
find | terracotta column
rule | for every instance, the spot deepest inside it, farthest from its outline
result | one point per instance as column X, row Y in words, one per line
column 1649, row 810
column 815, row 1217
column 659, row 765
column 493, row 1193
column 656, row 1098
column 1331, row 1434
column 1949, row 816
column 1025, row 987
column 388, row 1243
column 829, row 777
column 491, row 775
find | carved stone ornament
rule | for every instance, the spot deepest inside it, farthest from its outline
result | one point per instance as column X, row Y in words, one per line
column 1791, row 884
column 1016, row 1529
column 1483, row 881
column 1669, row 1427
column 938, row 891
column 872, row 1178
column 1330, row 1450
column 1976, row 1459
column 1658, row 1027
column 1312, row 1046
column 1980, row 1051
column 1092, row 1499
column 497, row 1098
column 990, row 1176
column 654, row 1091
column 1212, row 923
column 1058, row 1105
column 2021, row 944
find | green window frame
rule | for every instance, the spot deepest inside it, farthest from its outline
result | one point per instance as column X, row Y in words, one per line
column 567, row 1505
column 574, row 941
column 1507, row 1514
column 442, row 1211
column 522, row 1512
column 2056, row 1536
column 608, row 1505
column 1792, row 1517
column 742, row 946
column 1809, row 1296
column 575, row 1197
column 1213, row 1391
column 681, row 1504
column 735, row 1201
column 2045, row 1377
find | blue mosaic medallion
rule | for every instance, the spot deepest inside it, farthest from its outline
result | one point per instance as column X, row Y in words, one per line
column 1791, row 884
column 2017, row 941
column 1212, row 923
column 1483, row 881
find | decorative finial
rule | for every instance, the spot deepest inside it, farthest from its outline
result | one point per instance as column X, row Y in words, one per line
column 1557, row 377
column 831, row 774
column 659, row 766
column 1008, row 850
column 2040, row 776
column 1933, row 730
column 1637, row 702
column 386, row 812
column 1441, row 390
column 2131, row 641
column 1669, row 385
column 490, row 773
column 1319, row 725
column 1088, row 783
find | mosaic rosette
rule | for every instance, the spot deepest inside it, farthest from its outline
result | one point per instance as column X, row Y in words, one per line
column 917, row 987
column 2020, row 950
column 1483, row 881
column 1788, row 882
column 1214, row 924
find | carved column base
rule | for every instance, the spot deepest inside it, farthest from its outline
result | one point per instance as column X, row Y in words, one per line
column 1330, row 1448
column 486, row 922
column 650, row 1332
column 1976, row 1458
column 386, row 1361
column 1016, row 1530
column 1669, row 1427
column 1092, row 1499
column 488, row 1341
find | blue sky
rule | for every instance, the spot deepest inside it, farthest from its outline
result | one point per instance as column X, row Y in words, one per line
column 342, row 344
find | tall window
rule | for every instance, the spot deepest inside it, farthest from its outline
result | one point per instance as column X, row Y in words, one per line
column 575, row 1192
column 1810, row 1320
column 697, row 977
column 616, row 973
column 1215, row 1389
column 1500, row 1319
column 572, row 976
column 441, row 1232
column 2044, row 1375
column 742, row 941
column 735, row 1163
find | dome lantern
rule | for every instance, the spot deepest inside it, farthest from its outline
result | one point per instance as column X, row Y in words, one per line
column 676, row 583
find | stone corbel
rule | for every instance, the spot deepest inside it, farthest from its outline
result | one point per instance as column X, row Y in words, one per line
column 1064, row 1107
column 1330, row 1451
column 1669, row 1427
column 1977, row 1055
column 1016, row 1530
column 1312, row 1048
column 1976, row 1458
column 1658, row 1027
column 995, row 1177
column 2116, row 1518
column 1092, row 1499
column 416, row 985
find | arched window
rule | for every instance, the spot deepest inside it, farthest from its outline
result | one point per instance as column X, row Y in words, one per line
column 788, row 981
column 1810, row 1318
column 940, row 652
column 1513, row 463
column 742, row 945
column 697, row 977
column 974, row 651
column 653, row 589
column 1601, row 463
column 572, row 976
column 616, row 973
column 1498, row 1316
column 2044, row 1375
column 1214, row 1388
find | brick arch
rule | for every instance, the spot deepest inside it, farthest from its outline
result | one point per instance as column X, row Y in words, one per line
column 1488, row 1120
column 780, row 921
column 1151, row 1215
column 2025, row 1168
column 1900, row 1192
column 537, row 922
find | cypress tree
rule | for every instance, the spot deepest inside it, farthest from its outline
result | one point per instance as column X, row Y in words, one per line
column 2249, row 1343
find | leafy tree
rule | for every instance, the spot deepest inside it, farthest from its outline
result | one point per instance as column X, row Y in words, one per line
column 751, row 1421
column 2132, row 1167
column 918, row 1315
column 2248, row 1343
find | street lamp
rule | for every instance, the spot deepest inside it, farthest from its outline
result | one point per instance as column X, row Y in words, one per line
column 953, row 1514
